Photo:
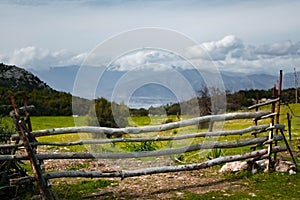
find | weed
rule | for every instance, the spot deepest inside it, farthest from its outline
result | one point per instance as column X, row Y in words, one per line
column 169, row 120
column 214, row 153
column 140, row 146
column 175, row 131
column 5, row 131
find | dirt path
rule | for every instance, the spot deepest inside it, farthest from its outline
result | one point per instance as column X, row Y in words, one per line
column 166, row 186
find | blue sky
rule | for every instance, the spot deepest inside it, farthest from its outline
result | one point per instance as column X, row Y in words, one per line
column 240, row 36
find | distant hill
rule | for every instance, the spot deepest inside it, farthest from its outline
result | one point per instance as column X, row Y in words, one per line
column 17, row 81
column 13, row 77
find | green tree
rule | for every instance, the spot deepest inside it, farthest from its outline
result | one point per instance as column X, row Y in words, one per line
column 109, row 114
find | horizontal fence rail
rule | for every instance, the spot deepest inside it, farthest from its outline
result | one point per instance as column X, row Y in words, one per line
column 272, row 101
column 146, row 129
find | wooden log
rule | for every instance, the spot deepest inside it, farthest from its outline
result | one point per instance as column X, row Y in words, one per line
column 288, row 147
column 27, row 108
column 8, row 157
column 269, row 141
column 289, row 126
column 276, row 126
column 145, row 129
column 232, row 144
column 45, row 191
column 21, row 180
column 260, row 128
column 271, row 131
column 5, row 146
column 263, row 104
column 266, row 116
column 162, row 169
column 278, row 107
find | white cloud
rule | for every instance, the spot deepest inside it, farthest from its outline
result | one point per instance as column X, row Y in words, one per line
column 229, row 54
column 39, row 58
column 74, row 60
column 216, row 50
column 144, row 59
column 279, row 49
column 26, row 55
column 232, row 54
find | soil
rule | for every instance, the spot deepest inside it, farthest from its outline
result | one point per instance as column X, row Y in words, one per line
column 166, row 186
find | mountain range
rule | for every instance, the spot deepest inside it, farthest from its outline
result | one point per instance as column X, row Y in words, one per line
column 63, row 78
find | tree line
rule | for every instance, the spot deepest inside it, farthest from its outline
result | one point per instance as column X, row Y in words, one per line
column 49, row 102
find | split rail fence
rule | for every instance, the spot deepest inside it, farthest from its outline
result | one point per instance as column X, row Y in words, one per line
column 274, row 130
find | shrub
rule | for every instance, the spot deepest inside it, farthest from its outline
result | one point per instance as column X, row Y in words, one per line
column 140, row 146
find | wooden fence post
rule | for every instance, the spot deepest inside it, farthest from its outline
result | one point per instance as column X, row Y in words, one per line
column 45, row 191
column 271, row 131
column 27, row 115
column 289, row 126
column 288, row 147
column 278, row 106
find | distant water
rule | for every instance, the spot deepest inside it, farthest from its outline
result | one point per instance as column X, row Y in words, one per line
column 147, row 102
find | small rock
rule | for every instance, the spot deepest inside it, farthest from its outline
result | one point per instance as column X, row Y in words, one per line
column 234, row 167
column 252, row 194
column 262, row 164
column 36, row 197
column 179, row 193
column 284, row 166
column 292, row 172
column 254, row 171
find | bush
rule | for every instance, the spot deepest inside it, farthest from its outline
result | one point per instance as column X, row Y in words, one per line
column 140, row 146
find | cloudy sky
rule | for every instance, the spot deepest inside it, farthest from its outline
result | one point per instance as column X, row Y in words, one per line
column 240, row 36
